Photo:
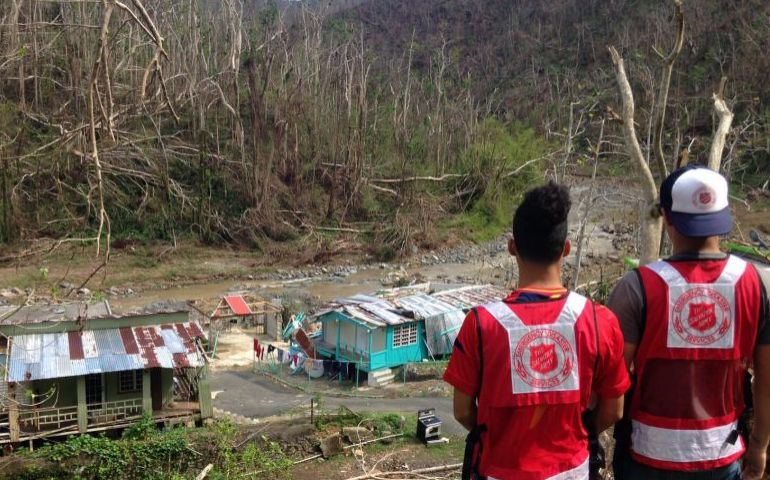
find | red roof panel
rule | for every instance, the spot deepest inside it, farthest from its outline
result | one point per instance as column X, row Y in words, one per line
column 76, row 346
column 195, row 330
column 129, row 342
column 180, row 360
column 144, row 337
column 238, row 305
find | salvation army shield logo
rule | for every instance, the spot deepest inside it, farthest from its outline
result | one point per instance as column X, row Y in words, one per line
column 544, row 358
column 704, row 198
column 701, row 316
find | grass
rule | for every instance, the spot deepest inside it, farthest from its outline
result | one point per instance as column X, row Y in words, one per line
column 477, row 225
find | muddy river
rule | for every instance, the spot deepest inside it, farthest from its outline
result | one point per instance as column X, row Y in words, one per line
column 366, row 279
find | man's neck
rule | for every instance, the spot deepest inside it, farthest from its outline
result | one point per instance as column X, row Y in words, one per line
column 540, row 276
column 684, row 245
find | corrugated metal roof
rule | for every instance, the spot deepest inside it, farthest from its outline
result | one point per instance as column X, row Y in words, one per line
column 378, row 312
column 68, row 312
column 238, row 305
column 40, row 356
column 471, row 296
column 373, row 311
column 425, row 305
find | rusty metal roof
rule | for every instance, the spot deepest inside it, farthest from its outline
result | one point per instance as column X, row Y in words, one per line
column 67, row 312
column 41, row 356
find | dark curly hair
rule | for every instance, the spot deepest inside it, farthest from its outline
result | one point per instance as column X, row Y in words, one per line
column 540, row 223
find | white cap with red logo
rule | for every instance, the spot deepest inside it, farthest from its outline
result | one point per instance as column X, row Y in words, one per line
column 696, row 199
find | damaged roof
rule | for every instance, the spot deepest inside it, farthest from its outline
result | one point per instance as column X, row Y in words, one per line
column 373, row 311
column 39, row 356
column 68, row 312
column 378, row 312
column 471, row 296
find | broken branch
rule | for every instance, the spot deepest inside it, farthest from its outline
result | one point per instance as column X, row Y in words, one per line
column 725, row 116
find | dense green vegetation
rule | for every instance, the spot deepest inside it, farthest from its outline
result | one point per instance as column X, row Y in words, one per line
column 145, row 453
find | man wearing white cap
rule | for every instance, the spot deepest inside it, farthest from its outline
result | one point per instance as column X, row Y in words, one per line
column 692, row 325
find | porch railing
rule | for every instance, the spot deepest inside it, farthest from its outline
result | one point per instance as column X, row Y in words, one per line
column 108, row 412
column 43, row 418
column 100, row 413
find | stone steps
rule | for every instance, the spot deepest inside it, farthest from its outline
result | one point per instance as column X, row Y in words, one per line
column 381, row 378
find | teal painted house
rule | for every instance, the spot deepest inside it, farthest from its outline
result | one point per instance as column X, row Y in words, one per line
column 395, row 328
column 371, row 332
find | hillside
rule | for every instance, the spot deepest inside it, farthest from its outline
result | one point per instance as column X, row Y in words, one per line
column 528, row 54
column 391, row 120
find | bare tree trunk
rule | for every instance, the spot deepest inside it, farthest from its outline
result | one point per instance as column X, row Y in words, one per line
column 568, row 148
column 725, row 121
column 650, row 221
column 93, row 92
column 665, row 85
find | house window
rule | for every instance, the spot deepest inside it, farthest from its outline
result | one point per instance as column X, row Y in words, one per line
column 130, row 381
column 404, row 335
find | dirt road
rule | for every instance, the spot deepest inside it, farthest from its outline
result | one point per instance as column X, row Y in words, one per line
column 251, row 395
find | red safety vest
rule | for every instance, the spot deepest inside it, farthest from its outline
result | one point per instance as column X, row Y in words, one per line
column 528, row 362
column 699, row 338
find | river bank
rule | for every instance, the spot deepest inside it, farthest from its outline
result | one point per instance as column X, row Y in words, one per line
column 140, row 273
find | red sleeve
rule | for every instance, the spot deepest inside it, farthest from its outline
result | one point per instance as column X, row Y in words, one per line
column 463, row 369
column 612, row 379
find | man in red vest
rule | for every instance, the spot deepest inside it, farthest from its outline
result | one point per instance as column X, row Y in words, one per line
column 692, row 326
column 525, row 369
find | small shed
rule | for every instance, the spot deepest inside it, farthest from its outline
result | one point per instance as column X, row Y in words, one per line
column 247, row 310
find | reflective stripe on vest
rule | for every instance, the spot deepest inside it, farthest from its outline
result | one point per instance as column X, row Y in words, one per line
column 578, row 473
column 684, row 446
column 543, row 357
column 701, row 315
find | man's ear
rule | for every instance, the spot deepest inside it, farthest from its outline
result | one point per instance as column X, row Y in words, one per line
column 567, row 248
column 512, row 248
column 666, row 216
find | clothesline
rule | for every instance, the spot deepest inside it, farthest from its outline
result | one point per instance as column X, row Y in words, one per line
column 271, row 352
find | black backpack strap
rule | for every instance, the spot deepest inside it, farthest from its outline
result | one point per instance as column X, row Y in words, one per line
column 596, row 459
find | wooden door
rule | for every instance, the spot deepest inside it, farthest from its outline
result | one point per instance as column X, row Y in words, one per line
column 156, row 389
column 94, row 391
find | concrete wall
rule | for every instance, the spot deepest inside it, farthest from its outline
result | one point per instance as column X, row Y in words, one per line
column 65, row 395
column 273, row 326
column 111, row 394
